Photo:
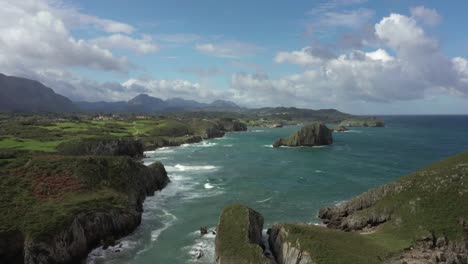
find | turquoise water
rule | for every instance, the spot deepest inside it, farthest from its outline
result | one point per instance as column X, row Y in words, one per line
column 285, row 184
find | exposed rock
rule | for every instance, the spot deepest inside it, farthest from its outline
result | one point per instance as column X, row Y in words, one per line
column 316, row 134
column 110, row 146
column 239, row 237
column 284, row 251
column 340, row 128
column 363, row 122
column 160, row 142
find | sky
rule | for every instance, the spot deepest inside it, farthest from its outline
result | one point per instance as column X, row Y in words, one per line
column 357, row 56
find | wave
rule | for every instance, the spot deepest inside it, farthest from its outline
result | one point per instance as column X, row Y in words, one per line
column 352, row 131
column 266, row 200
column 168, row 220
column 257, row 131
column 202, row 249
column 208, row 186
column 318, row 171
column 228, row 145
column 181, row 168
column 268, row 146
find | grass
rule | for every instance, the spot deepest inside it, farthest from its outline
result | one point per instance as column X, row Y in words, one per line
column 232, row 242
column 29, row 144
column 332, row 246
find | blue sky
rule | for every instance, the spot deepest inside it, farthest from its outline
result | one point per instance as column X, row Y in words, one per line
column 353, row 55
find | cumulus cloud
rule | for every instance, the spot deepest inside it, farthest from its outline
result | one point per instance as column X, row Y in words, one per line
column 407, row 65
column 143, row 45
column 228, row 49
column 39, row 35
column 305, row 56
column 426, row 15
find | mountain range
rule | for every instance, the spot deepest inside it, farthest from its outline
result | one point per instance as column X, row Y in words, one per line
column 25, row 95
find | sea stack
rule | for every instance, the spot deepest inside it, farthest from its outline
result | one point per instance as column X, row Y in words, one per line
column 316, row 134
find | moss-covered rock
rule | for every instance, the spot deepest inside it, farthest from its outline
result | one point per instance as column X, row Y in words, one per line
column 58, row 208
column 239, row 237
column 102, row 146
column 315, row 134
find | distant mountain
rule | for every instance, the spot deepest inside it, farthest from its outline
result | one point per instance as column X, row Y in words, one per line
column 223, row 104
column 25, row 95
column 144, row 103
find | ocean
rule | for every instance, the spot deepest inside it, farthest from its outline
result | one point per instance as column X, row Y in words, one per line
column 284, row 184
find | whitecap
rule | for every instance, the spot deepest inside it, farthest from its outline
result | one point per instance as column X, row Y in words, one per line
column 268, row 146
column 202, row 249
column 318, row 171
column 169, row 220
column 352, row 131
column 181, row 168
column 266, row 200
column 257, row 131
column 208, row 186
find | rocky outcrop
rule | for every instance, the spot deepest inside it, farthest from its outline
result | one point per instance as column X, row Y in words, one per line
column 433, row 250
column 284, row 251
column 110, row 146
column 231, row 125
column 340, row 128
column 160, row 142
column 119, row 186
column 239, row 237
column 363, row 122
column 316, row 134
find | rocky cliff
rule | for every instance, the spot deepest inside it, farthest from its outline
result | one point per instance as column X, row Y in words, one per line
column 316, row 134
column 102, row 146
column 62, row 207
column 285, row 251
column 239, row 237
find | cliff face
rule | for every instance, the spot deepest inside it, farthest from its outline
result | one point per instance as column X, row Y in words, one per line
column 239, row 237
column 284, row 251
column 102, row 147
column 66, row 206
column 311, row 135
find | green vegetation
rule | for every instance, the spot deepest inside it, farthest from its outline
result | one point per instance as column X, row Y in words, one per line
column 233, row 244
column 428, row 204
column 45, row 194
column 332, row 246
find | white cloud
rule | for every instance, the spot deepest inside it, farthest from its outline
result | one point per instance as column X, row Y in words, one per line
column 228, row 49
column 37, row 35
column 408, row 65
column 144, row 45
column 300, row 57
column 41, row 38
column 379, row 54
column 352, row 19
column 426, row 15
